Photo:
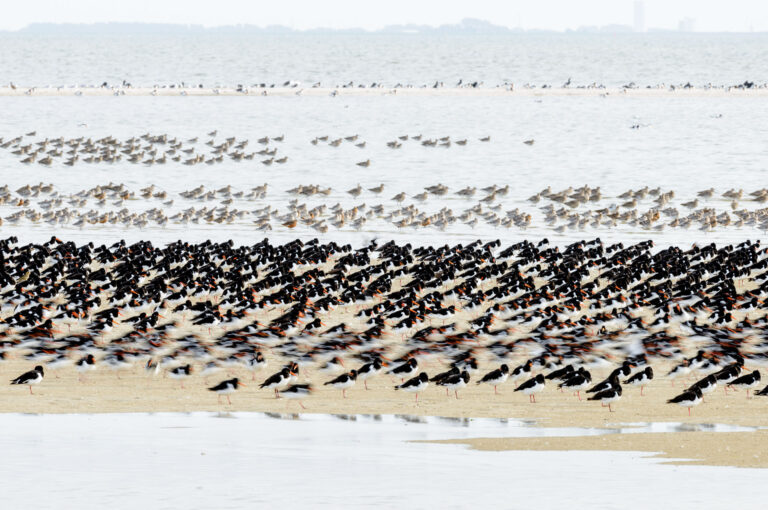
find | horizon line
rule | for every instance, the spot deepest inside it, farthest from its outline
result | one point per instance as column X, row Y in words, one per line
column 467, row 25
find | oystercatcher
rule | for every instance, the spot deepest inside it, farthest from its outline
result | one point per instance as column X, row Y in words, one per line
column 226, row 388
column 454, row 382
column 405, row 369
column 85, row 364
column 763, row 392
column 415, row 384
column 728, row 374
column 681, row 370
column 277, row 381
column 369, row 370
column 297, row 391
column 532, row 386
column 34, row 376
column 706, row 385
column 688, row 398
column 495, row 377
column 608, row 396
column 641, row 378
column 343, row 382
column 746, row 382
column 181, row 373
column 579, row 380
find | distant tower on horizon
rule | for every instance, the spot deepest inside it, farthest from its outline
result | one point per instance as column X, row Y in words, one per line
column 639, row 24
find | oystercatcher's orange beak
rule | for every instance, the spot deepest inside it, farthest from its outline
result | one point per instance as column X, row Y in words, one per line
column 240, row 384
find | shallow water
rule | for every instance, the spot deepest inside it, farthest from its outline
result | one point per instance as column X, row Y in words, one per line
column 684, row 144
column 203, row 460
column 228, row 59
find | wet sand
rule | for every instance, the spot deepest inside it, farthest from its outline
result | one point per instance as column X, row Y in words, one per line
column 137, row 391
column 739, row 449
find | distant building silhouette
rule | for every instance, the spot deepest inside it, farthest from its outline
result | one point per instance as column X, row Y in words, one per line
column 639, row 20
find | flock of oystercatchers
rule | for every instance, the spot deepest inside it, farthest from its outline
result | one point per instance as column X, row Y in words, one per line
column 392, row 309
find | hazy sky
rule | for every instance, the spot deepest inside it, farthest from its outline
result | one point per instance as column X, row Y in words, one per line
column 709, row 15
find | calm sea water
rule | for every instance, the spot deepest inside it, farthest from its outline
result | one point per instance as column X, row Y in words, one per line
column 211, row 59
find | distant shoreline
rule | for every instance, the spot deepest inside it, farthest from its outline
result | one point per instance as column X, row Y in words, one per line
column 166, row 91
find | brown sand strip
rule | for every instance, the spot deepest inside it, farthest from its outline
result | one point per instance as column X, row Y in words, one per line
column 738, row 449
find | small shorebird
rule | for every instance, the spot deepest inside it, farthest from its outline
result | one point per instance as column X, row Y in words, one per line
column 415, row 385
column 297, row 391
column 454, row 382
column 688, row 398
column 226, row 388
column 642, row 378
column 34, row 376
column 532, row 386
column 608, row 396
column 495, row 377
column 343, row 382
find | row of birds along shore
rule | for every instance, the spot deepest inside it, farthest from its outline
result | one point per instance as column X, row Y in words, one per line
column 319, row 208
column 262, row 88
column 391, row 307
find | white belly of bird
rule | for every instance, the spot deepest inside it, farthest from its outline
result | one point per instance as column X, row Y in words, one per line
column 415, row 389
column 538, row 388
column 344, row 385
column 690, row 403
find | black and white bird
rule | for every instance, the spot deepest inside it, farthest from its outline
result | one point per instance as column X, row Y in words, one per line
column 705, row 385
column 297, row 391
column 369, row 370
column 454, row 382
column 226, row 388
column 85, row 364
column 495, row 377
column 746, row 382
column 181, row 373
column 343, row 382
column 442, row 376
column 608, row 396
column 277, row 381
column 641, row 378
column 606, row 384
column 578, row 381
column 681, row 370
column 763, row 392
column 688, row 398
column 727, row 375
column 34, row 376
column 415, row 385
column 405, row 369
column 532, row 386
